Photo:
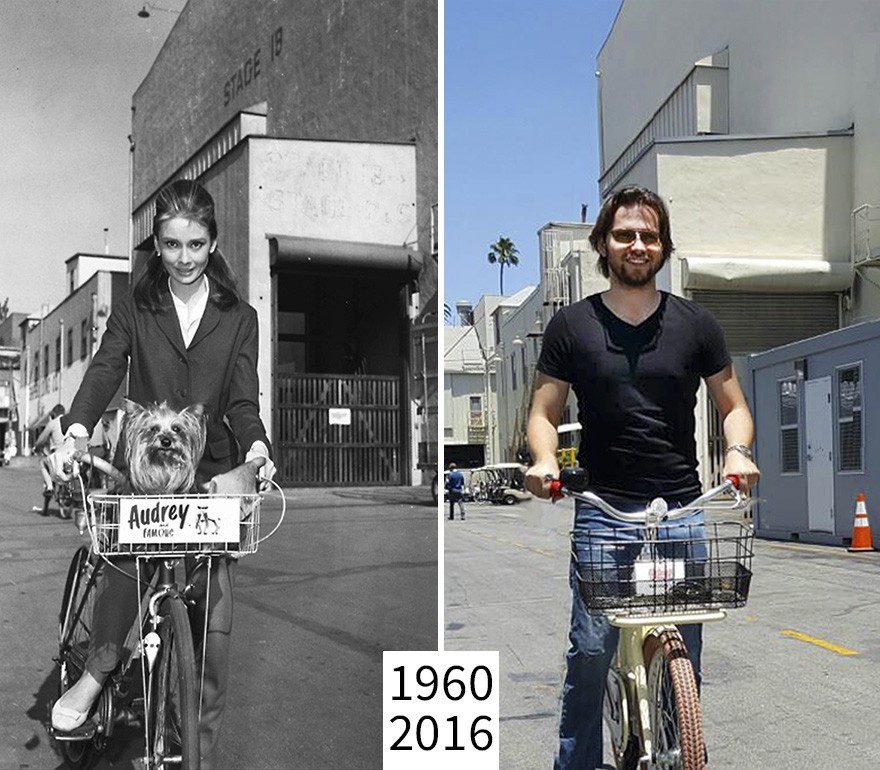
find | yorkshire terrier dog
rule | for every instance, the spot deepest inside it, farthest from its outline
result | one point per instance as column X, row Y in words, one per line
column 163, row 447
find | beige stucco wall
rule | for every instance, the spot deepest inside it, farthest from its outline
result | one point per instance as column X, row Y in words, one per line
column 774, row 198
column 795, row 67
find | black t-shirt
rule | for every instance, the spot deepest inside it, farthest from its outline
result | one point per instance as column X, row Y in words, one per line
column 636, row 389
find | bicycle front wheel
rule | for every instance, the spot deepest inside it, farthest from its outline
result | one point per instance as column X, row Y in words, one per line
column 74, row 628
column 173, row 739
column 674, row 704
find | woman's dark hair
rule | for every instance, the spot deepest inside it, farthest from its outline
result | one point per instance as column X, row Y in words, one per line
column 57, row 411
column 630, row 196
column 187, row 199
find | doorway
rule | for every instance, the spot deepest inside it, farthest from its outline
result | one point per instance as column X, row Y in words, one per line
column 340, row 372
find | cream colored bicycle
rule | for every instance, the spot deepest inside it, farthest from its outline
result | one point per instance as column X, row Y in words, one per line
column 650, row 572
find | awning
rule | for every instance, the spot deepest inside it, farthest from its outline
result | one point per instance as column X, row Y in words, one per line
column 294, row 251
column 771, row 274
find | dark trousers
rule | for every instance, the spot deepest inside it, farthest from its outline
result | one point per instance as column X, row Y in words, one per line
column 455, row 497
column 116, row 604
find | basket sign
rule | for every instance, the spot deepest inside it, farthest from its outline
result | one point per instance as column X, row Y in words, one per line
column 656, row 576
column 179, row 519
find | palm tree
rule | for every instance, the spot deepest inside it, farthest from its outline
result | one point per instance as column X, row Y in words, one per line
column 504, row 253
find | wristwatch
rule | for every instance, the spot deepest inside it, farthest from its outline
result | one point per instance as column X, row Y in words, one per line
column 741, row 448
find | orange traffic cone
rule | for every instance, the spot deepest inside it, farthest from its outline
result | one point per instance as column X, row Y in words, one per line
column 861, row 537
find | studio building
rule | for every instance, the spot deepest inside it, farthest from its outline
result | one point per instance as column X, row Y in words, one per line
column 314, row 127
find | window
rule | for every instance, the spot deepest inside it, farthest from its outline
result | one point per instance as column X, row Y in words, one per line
column 476, row 410
column 789, row 432
column 36, row 366
column 69, row 358
column 58, row 353
column 45, row 360
column 849, row 418
column 84, row 338
column 513, row 372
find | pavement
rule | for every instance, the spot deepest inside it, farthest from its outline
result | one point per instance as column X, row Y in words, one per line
column 790, row 680
column 350, row 573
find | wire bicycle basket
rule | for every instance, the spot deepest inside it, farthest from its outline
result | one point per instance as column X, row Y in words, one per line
column 679, row 568
column 174, row 524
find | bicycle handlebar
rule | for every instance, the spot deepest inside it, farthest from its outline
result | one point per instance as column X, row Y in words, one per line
column 99, row 464
column 658, row 508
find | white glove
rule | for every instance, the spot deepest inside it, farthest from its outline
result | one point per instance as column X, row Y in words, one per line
column 61, row 461
column 267, row 472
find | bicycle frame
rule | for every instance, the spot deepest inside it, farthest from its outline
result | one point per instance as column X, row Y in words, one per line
column 631, row 668
column 163, row 599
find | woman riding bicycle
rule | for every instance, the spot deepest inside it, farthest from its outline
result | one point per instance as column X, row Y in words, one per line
column 184, row 336
column 635, row 357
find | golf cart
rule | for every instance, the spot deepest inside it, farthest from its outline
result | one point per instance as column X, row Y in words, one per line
column 501, row 483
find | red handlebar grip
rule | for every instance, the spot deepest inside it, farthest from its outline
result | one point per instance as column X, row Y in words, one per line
column 555, row 490
column 733, row 479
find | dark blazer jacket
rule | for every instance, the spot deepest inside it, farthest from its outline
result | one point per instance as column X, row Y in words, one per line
column 219, row 370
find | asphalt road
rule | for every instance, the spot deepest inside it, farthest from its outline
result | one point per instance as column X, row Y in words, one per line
column 352, row 572
column 791, row 681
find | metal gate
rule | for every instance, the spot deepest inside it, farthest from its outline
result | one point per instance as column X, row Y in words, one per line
column 338, row 430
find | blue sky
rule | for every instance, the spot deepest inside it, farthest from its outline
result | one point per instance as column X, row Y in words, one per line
column 521, row 146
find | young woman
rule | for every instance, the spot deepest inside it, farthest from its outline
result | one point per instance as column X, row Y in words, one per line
column 185, row 337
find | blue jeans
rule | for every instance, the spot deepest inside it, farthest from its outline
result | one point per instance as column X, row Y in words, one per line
column 594, row 640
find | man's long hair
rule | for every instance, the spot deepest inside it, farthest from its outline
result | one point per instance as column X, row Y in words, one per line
column 630, row 196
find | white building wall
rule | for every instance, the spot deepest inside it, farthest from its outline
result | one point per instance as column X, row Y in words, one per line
column 467, row 373
column 520, row 329
column 794, row 67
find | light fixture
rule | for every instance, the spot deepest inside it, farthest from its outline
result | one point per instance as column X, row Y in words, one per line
column 145, row 14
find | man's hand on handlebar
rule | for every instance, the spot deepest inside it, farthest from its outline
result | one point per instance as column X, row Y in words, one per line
column 744, row 469
column 539, row 475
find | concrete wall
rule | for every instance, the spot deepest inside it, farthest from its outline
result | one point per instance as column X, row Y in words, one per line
column 794, row 67
column 364, row 72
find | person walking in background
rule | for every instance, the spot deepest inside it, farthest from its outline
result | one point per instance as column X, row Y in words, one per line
column 47, row 442
column 635, row 357
column 455, row 487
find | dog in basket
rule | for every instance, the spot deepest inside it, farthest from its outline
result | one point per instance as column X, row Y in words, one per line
column 163, row 448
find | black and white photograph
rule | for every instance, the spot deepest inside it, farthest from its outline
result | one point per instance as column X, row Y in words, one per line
column 218, row 377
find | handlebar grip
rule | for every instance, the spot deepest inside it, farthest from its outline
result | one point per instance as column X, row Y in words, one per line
column 733, row 479
column 556, row 490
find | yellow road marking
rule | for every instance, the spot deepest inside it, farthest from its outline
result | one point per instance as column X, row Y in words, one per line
column 539, row 551
column 819, row 643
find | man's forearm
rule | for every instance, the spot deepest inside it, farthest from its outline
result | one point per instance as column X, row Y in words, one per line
column 738, row 427
column 543, row 438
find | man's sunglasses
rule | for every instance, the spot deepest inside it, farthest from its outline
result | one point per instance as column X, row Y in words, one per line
column 647, row 237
